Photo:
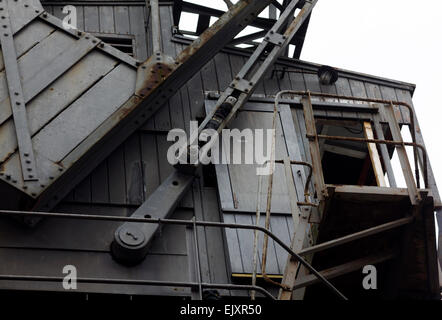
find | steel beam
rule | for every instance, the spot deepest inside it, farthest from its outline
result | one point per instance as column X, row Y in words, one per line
column 132, row 240
column 16, row 96
column 236, row 95
column 158, row 79
column 344, row 269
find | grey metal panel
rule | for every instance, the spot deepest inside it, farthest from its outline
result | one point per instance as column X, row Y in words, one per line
column 99, row 103
column 93, row 265
column 36, row 32
column 88, row 235
column 44, row 53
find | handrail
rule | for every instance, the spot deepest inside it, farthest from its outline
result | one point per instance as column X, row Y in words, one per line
column 181, row 222
column 381, row 101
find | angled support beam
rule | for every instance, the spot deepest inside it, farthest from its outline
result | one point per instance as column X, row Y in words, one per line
column 158, row 79
column 132, row 239
column 234, row 97
column 16, row 96
column 344, row 269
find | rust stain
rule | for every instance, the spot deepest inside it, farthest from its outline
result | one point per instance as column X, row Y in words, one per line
column 156, row 74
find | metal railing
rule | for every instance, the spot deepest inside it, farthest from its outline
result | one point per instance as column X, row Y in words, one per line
column 189, row 223
column 413, row 144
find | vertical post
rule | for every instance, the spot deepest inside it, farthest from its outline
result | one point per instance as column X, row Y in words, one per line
column 314, row 147
column 384, row 152
column 374, row 156
column 402, row 154
column 156, row 27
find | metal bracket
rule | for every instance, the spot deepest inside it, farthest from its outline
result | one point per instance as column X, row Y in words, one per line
column 242, row 85
column 275, row 38
column 16, row 97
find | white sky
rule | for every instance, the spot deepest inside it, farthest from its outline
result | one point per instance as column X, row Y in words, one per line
column 397, row 39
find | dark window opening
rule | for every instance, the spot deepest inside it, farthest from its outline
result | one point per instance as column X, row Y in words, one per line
column 345, row 162
column 124, row 43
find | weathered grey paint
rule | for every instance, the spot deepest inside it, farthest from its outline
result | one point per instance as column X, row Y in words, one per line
column 122, row 181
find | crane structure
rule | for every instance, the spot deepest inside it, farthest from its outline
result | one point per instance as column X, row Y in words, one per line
column 86, row 180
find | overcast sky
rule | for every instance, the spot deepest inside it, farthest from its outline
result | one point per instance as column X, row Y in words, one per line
column 397, row 39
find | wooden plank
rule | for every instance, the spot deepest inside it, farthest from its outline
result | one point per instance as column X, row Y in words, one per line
column 117, row 176
column 343, row 89
column 201, row 234
column 150, row 158
column 235, row 257
column 419, row 139
column 312, row 84
column 57, row 67
column 222, row 174
column 374, row 156
column 99, row 103
column 61, row 93
column 223, row 71
column 389, row 94
column 136, row 15
column 23, row 41
column 216, row 251
column 107, row 23
column 121, row 14
column 82, row 192
column 134, row 171
column 91, row 20
column 402, row 154
column 100, row 184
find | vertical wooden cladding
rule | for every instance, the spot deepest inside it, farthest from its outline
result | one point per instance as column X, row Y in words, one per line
column 109, row 19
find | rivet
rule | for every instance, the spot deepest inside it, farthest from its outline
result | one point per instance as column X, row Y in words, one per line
column 26, row 154
column 42, row 185
column 33, row 194
column 45, row 15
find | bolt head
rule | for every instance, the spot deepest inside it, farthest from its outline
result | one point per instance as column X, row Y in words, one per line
column 131, row 236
